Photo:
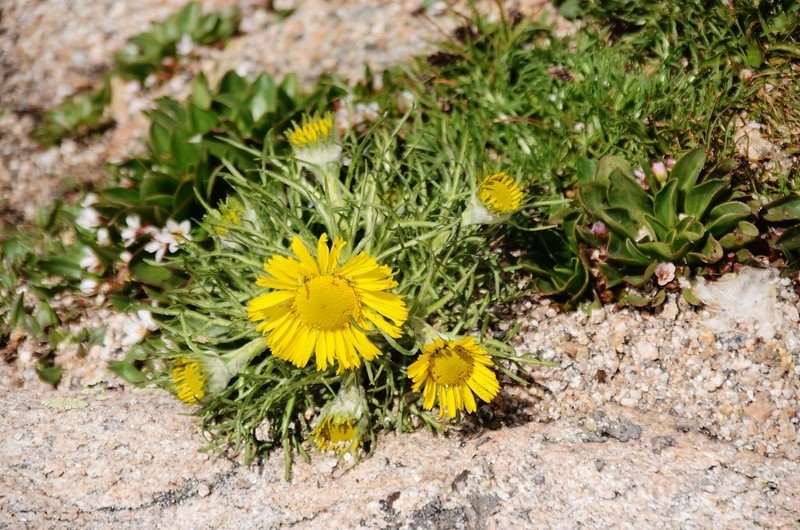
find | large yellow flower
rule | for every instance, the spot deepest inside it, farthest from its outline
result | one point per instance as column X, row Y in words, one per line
column 452, row 371
column 322, row 307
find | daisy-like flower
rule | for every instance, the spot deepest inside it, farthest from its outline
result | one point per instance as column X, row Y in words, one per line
column 188, row 380
column 453, row 372
column 497, row 197
column 314, row 142
column 138, row 327
column 341, row 423
column 325, row 308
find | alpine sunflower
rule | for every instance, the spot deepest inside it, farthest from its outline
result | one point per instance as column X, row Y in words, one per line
column 188, row 380
column 453, row 372
column 321, row 307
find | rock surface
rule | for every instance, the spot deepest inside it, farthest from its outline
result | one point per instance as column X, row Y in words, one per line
column 129, row 459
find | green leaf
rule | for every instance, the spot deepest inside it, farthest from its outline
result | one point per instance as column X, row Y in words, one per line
column 127, row 371
column 741, row 236
column 624, row 251
column 691, row 297
column 700, row 197
column 688, row 168
column 783, row 209
column 609, row 164
column 711, row 253
column 630, row 298
column 49, row 373
column 657, row 249
column 620, row 221
column 592, row 197
column 638, row 281
column 62, row 266
column 724, row 216
column 201, row 92
column 150, row 274
column 625, row 192
column 789, row 240
column 665, row 205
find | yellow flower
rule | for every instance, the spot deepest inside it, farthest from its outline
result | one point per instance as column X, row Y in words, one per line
column 322, row 307
column 314, row 142
column 337, row 433
column 188, row 380
column 342, row 420
column 500, row 194
column 453, row 372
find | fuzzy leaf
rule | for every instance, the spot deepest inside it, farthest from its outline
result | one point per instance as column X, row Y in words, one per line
column 724, row 216
column 700, row 197
column 742, row 235
column 625, row 192
column 711, row 253
column 784, row 209
column 790, row 239
column 608, row 164
column 657, row 249
column 665, row 206
column 688, row 168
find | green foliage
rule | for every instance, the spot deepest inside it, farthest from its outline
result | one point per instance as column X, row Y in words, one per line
column 753, row 34
column 689, row 219
column 785, row 214
column 399, row 203
column 144, row 53
column 77, row 116
column 189, row 139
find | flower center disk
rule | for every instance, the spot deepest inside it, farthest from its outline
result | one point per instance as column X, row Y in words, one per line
column 327, row 302
column 451, row 366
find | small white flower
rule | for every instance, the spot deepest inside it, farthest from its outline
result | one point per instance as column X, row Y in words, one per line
column 89, row 286
column 179, row 232
column 132, row 231
column 185, row 46
column 137, row 327
column 168, row 239
column 103, row 238
column 88, row 218
column 90, row 262
column 665, row 273
column 89, row 200
column 125, row 256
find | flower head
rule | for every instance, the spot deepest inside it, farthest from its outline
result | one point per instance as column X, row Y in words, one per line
column 341, row 422
column 168, row 238
column 453, row 372
column 314, row 141
column 324, row 307
column 665, row 273
column 497, row 197
column 659, row 171
column 188, row 380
